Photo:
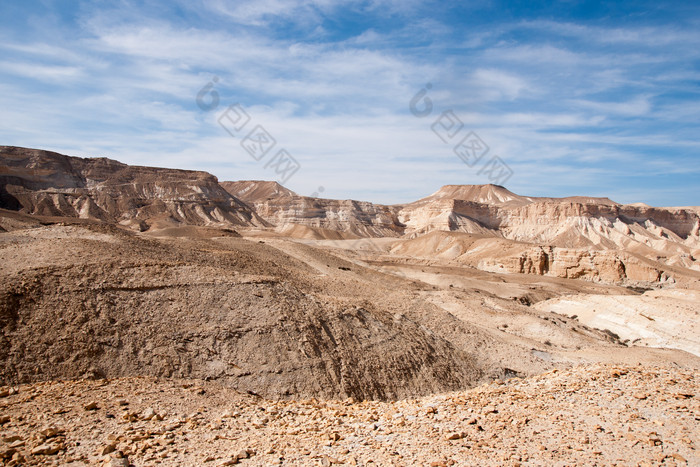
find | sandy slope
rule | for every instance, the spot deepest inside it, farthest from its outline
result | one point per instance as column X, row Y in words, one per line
column 660, row 318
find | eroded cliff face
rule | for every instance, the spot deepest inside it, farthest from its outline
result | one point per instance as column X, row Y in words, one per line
column 604, row 225
column 597, row 229
column 282, row 207
column 598, row 266
column 50, row 184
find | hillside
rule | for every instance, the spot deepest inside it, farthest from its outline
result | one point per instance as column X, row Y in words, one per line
column 49, row 184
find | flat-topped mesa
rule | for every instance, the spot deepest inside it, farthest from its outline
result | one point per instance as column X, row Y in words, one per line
column 495, row 207
column 50, row 184
column 498, row 195
column 484, row 194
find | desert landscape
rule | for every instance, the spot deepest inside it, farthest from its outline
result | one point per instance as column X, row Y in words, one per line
column 160, row 316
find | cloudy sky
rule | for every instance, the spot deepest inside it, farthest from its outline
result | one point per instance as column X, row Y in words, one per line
column 576, row 98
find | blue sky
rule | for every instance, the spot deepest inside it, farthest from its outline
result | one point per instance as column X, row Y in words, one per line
column 574, row 97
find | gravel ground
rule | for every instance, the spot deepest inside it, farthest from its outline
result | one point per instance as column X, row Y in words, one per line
column 587, row 415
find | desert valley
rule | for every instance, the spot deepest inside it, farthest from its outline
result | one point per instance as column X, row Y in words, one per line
column 159, row 316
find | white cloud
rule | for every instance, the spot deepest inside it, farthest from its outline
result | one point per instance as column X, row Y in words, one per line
column 41, row 72
column 639, row 106
column 494, row 84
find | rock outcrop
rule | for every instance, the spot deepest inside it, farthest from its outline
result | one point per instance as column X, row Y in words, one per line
column 500, row 255
column 597, row 266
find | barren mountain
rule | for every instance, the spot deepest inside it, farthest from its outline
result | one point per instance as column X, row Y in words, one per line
column 50, row 184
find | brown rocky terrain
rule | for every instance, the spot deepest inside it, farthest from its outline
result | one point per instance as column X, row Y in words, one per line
column 226, row 309
column 156, row 316
column 591, row 415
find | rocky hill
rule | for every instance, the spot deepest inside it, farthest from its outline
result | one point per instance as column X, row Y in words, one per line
column 92, row 300
column 49, row 184
column 281, row 207
column 595, row 230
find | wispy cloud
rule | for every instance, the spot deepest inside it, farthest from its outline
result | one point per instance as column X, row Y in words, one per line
column 574, row 106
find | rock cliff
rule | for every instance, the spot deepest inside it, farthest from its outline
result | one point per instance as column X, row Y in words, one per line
column 50, row 184
column 281, row 207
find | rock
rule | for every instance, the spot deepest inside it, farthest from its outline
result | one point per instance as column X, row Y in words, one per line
column 107, row 449
column 50, row 432
column 233, row 461
column 678, row 457
column 148, row 414
column 4, row 419
column 46, row 450
column 119, row 462
column 91, row 406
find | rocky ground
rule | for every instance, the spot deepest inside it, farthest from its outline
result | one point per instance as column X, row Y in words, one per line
column 589, row 415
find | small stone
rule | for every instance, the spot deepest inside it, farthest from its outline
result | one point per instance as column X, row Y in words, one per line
column 46, row 450
column 119, row 462
column 91, row 406
column 51, row 432
column 148, row 414
column 4, row 419
column 17, row 444
column 110, row 448
column 454, row 436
